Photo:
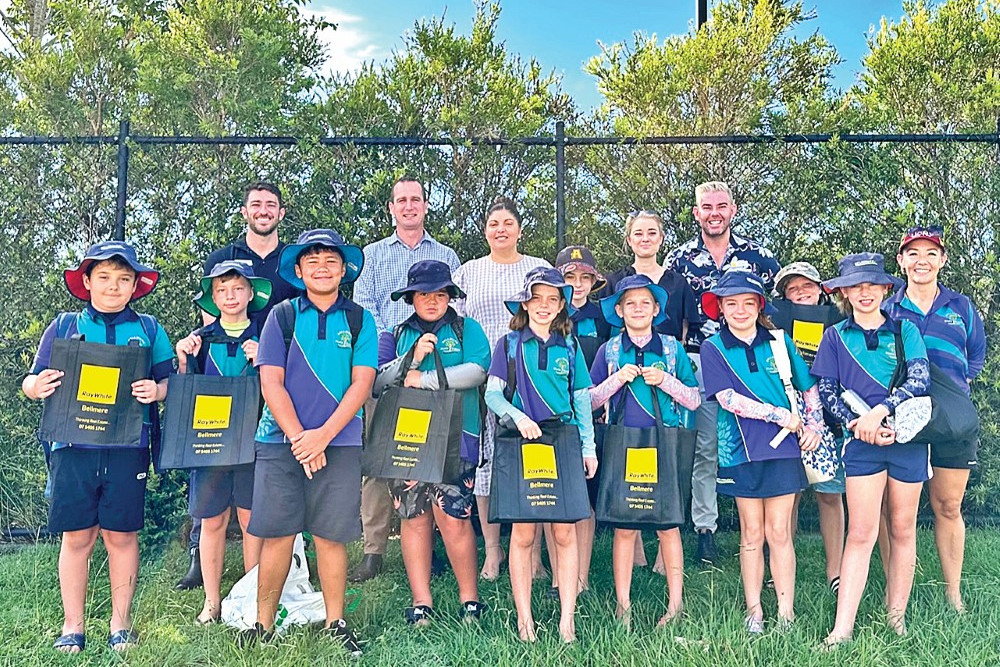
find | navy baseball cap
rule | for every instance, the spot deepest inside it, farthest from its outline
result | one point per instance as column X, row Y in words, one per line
column 354, row 258
column 579, row 258
column 146, row 277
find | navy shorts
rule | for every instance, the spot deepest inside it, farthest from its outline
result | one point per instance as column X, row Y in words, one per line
column 958, row 456
column 762, row 479
column 286, row 502
column 212, row 490
column 907, row 462
column 103, row 487
column 412, row 499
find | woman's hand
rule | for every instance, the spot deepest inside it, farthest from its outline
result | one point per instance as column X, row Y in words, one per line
column 529, row 429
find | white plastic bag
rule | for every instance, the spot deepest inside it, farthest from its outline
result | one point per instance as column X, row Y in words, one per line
column 300, row 603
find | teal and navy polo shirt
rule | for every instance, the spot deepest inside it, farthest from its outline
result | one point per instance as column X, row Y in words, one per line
column 222, row 354
column 317, row 366
column 120, row 328
column 542, row 371
column 750, row 370
column 474, row 347
column 634, row 402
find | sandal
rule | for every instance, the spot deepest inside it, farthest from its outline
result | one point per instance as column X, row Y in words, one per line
column 75, row 640
column 123, row 639
column 835, row 586
column 418, row 614
column 471, row 611
column 255, row 635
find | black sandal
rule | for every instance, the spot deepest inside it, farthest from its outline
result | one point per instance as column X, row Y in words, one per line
column 419, row 614
column 70, row 640
column 471, row 611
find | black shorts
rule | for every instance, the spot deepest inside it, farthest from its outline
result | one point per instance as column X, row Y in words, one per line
column 212, row 490
column 762, row 479
column 103, row 487
column 958, row 456
column 286, row 502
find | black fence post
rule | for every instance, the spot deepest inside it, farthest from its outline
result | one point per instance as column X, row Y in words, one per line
column 700, row 12
column 122, row 194
column 560, row 185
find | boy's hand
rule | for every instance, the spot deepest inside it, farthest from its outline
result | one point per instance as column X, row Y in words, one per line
column 46, row 382
column 309, row 445
column 590, row 467
column 317, row 463
column 425, row 345
column 190, row 345
column 250, row 350
column 413, row 379
column 529, row 429
column 652, row 375
column 628, row 372
column 144, row 391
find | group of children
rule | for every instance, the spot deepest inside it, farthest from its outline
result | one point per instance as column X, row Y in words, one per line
column 574, row 362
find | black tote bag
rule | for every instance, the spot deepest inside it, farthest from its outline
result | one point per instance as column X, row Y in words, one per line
column 94, row 405
column 538, row 480
column 646, row 474
column 209, row 420
column 416, row 434
column 805, row 324
column 953, row 419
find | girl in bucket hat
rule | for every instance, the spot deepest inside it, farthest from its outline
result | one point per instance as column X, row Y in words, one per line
column 465, row 355
column 760, row 432
column 632, row 370
column 859, row 355
column 557, row 389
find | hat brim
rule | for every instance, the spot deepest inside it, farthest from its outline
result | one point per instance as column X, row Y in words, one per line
column 873, row 277
column 599, row 280
column 146, row 278
column 608, row 304
column 448, row 286
column 710, row 302
column 261, row 295
column 354, row 261
column 514, row 303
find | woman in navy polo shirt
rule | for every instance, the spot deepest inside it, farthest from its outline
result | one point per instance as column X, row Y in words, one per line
column 859, row 355
column 956, row 342
column 633, row 369
column 760, row 434
column 546, row 388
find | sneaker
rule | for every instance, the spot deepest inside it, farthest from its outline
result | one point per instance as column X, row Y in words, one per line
column 707, row 552
column 339, row 632
column 418, row 615
column 255, row 635
column 471, row 611
column 755, row 626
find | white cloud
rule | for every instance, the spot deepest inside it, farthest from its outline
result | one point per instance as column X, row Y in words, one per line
column 349, row 45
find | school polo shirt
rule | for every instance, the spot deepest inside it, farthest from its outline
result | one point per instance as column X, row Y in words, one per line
column 750, row 370
column 118, row 329
column 952, row 329
column 634, row 402
column 317, row 366
column 474, row 347
column 542, row 372
column 865, row 360
column 221, row 354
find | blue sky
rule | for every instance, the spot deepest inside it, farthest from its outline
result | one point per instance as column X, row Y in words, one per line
column 563, row 34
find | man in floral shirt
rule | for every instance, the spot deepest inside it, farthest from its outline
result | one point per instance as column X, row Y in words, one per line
column 701, row 261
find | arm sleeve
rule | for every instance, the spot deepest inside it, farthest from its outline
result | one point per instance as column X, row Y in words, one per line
column 741, row 406
column 813, row 417
column 976, row 343
column 498, row 405
column 829, row 396
column 585, row 422
column 466, row 375
column 602, row 392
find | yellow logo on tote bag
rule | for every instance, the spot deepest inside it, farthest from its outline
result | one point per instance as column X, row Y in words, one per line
column 98, row 384
column 212, row 412
column 412, row 425
column 807, row 335
column 539, row 461
column 640, row 465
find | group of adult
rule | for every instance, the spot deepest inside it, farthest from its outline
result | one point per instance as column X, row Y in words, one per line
column 953, row 332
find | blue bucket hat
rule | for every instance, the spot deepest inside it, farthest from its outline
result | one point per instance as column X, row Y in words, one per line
column 638, row 281
column 428, row 275
column 146, row 278
column 540, row 276
column 732, row 282
column 862, row 267
column 261, row 287
column 354, row 258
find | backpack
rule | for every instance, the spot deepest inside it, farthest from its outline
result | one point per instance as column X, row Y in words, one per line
column 285, row 313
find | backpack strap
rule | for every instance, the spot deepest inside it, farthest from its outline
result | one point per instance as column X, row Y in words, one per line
column 64, row 322
column 149, row 327
column 355, row 315
column 284, row 312
column 510, row 350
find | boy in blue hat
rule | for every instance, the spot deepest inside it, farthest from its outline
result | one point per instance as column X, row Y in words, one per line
column 465, row 355
column 225, row 347
column 316, row 370
column 100, row 489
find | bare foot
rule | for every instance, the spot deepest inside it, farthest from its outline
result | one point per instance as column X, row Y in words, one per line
column 495, row 557
column 658, row 566
column 955, row 600
column 624, row 615
column 671, row 616
column 527, row 631
column 833, row 642
column 538, row 571
column 568, row 635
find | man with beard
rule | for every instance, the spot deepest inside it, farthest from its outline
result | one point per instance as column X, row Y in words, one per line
column 263, row 209
column 701, row 261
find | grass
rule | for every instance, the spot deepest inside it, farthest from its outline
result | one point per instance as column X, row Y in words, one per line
column 710, row 634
